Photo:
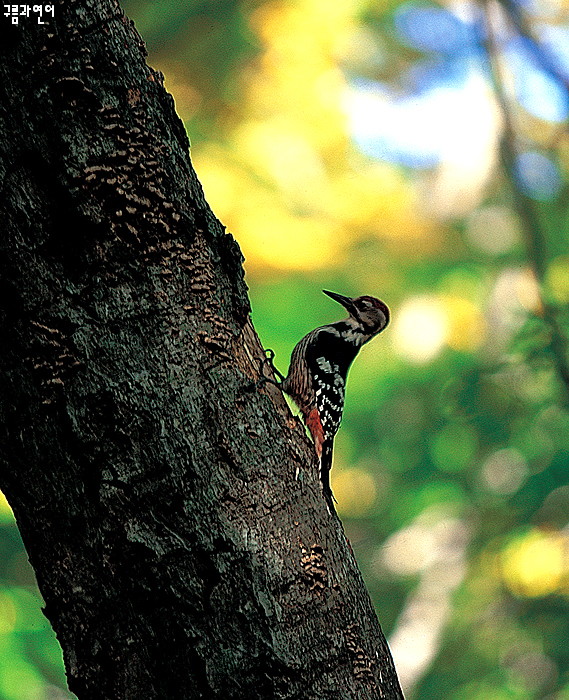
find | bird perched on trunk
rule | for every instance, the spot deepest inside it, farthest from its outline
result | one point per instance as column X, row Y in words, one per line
column 319, row 365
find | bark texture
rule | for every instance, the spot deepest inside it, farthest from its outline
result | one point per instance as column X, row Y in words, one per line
column 173, row 516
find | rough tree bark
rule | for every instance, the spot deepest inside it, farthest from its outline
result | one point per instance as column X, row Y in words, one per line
column 173, row 516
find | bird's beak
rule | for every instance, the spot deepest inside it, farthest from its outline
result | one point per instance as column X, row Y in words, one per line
column 345, row 301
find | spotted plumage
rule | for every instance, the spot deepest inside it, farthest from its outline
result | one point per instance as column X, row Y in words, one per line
column 319, row 365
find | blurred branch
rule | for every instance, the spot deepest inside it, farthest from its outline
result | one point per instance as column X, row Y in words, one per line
column 541, row 53
column 532, row 229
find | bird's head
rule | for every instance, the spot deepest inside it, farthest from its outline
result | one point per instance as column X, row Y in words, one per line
column 371, row 313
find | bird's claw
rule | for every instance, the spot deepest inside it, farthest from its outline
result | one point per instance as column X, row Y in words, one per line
column 269, row 357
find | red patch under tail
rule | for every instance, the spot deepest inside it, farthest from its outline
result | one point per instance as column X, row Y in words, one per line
column 314, row 424
column 323, row 450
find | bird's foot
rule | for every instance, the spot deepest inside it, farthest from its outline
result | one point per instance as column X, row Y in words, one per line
column 269, row 357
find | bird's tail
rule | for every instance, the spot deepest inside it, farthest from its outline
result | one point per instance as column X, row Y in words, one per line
column 325, row 466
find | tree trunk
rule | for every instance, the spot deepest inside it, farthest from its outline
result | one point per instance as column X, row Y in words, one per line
column 170, row 509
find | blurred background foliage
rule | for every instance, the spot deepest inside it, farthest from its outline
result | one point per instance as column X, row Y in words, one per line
column 415, row 151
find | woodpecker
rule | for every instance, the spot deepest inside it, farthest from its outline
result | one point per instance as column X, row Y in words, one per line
column 319, row 364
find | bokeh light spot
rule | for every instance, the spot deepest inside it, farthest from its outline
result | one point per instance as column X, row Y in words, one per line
column 431, row 28
column 558, row 278
column 493, row 229
column 454, row 447
column 355, row 491
column 504, row 471
column 409, row 550
column 536, row 563
column 539, row 93
column 466, row 327
column 420, row 329
column 537, row 175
